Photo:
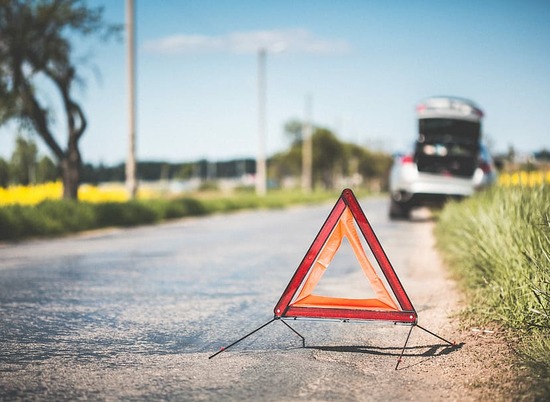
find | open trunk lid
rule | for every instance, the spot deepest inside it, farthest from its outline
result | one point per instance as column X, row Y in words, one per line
column 448, row 147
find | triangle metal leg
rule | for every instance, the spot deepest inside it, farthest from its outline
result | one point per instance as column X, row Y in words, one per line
column 296, row 332
column 256, row 330
column 409, row 335
column 243, row 338
column 437, row 336
column 404, row 346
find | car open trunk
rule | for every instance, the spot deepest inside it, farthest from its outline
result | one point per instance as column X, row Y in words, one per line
column 447, row 147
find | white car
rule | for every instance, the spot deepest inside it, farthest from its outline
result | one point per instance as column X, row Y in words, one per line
column 448, row 159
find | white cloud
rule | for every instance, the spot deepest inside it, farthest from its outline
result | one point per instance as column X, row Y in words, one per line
column 290, row 40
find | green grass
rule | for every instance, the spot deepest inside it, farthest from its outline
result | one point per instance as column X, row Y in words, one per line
column 53, row 218
column 498, row 245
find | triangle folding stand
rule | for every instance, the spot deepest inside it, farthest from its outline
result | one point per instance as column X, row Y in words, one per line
column 299, row 301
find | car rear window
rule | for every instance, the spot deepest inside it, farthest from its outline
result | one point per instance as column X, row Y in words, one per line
column 447, row 146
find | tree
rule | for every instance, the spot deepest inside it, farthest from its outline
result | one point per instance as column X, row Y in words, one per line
column 293, row 131
column 35, row 45
column 23, row 162
column 4, row 173
column 328, row 156
column 331, row 158
column 46, row 170
column 286, row 164
column 543, row 155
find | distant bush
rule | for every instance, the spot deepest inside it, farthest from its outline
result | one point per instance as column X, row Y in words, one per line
column 14, row 222
column 65, row 216
column 125, row 214
column 177, row 208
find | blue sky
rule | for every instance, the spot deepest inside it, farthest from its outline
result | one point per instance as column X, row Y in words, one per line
column 364, row 63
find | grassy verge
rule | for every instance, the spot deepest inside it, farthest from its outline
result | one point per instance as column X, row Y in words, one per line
column 498, row 245
column 61, row 217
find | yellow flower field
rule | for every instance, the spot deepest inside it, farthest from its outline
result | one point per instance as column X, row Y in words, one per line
column 523, row 178
column 34, row 194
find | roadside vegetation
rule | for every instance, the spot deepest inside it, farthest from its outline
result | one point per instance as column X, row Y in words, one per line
column 498, row 245
column 54, row 217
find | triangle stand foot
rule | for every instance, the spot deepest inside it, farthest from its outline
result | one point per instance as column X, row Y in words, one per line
column 409, row 335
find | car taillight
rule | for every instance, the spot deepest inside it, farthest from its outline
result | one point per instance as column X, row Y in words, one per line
column 421, row 108
column 485, row 167
column 407, row 159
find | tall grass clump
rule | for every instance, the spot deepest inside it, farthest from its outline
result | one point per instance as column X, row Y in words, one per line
column 498, row 245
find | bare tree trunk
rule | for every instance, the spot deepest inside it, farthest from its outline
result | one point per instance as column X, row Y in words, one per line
column 71, row 162
column 70, row 170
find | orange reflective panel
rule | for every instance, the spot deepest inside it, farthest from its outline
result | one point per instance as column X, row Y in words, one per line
column 345, row 228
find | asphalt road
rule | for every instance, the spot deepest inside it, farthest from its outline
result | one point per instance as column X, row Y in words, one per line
column 134, row 314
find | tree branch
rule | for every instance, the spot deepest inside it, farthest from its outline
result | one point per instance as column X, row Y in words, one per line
column 37, row 116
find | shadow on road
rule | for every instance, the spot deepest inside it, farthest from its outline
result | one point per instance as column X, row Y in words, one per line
column 422, row 350
column 427, row 351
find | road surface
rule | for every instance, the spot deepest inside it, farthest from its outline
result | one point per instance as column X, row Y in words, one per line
column 134, row 314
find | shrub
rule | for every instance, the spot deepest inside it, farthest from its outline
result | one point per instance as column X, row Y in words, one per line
column 68, row 215
column 124, row 214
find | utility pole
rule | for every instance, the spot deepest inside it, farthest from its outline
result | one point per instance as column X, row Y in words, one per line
column 131, row 182
column 261, row 185
column 307, row 148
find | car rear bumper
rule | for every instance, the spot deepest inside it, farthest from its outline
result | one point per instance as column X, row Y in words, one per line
column 427, row 199
column 444, row 185
column 428, row 189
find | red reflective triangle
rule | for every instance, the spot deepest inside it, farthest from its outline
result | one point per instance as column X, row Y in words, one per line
column 297, row 302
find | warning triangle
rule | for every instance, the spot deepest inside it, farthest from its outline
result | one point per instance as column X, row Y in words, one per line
column 298, row 299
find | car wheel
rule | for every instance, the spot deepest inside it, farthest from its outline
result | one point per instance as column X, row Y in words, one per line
column 399, row 210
